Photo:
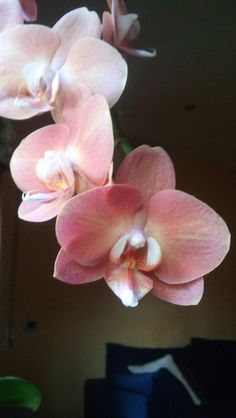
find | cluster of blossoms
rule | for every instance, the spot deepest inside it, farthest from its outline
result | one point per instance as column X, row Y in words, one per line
column 136, row 230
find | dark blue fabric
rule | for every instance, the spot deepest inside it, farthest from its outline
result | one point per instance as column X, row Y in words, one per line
column 140, row 383
column 169, row 398
column 125, row 404
column 118, row 356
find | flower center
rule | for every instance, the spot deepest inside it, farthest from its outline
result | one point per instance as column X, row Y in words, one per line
column 136, row 252
column 42, row 83
column 55, row 171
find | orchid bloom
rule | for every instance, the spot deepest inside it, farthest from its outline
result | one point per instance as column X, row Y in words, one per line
column 121, row 28
column 13, row 12
column 141, row 234
column 58, row 161
column 40, row 65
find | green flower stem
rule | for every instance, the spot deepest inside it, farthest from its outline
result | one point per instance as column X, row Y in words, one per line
column 120, row 139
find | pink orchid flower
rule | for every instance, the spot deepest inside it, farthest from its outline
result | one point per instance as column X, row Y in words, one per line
column 121, row 28
column 40, row 65
column 141, row 236
column 58, row 161
column 13, row 12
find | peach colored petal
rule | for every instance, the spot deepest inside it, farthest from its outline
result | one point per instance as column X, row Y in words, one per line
column 193, row 238
column 43, row 209
column 20, row 47
column 90, row 223
column 97, row 65
column 92, row 145
column 31, row 149
column 129, row 285
column 148, row 169
column 24, row 44
column 108, row 30
column 68, row 270
column 76, row 24
column 180, row 294
column 68, row 104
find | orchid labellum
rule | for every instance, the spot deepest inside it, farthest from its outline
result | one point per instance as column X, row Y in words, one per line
column 13, row 12
column 121, row 28
column 58, row 161
column 141, row 234
column 40, row 65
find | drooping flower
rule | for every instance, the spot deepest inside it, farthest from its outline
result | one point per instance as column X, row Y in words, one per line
column 58, row 161
column 13, row 12
column 39, row 65
column 141, row 236
column 121, row 28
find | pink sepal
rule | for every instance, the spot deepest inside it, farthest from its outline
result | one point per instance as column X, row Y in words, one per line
column 68, row 270
column 180, row 294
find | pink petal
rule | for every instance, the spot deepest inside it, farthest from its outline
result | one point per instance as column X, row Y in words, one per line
column 141, row 53
column 24, row 44
column 73, row 26
column 68, row 103
column 42, row 210
column 31, row 149
column 180, row 294
column 9, row 108
column 148, row 169
column 121, row 7
column 193, row 238
column 69, row 271
column 93, row 144
column 10, row 14
column 12, row 105
column 20, row 46
column 107, row 27
column 30, row 10
column 90, row 223
column 129, row 285
column 97, row 65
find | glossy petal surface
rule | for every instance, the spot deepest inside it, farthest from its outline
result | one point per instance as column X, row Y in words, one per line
column 76, row 24
column 97, row 65
column 90, row 223
column 93, row 143
column 193, row 238
column 68, row 103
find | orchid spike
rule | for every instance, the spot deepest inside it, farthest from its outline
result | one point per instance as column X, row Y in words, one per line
column 143, row 235
column 39, row 65
column 121, row 28
column 14, row 12
column 58, row 161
